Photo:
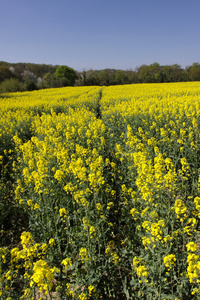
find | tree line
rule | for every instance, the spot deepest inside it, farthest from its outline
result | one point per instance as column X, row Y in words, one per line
column 28, row 76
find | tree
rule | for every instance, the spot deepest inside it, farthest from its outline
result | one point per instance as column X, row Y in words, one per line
column 66, row 75
column 91, row 77
column 144, row 74
column 103, row 78
column 11, row 85
column 121, row 77
column 156, row 74
column 5, row 73
column 29, row 76
column 194, row 72
column 48, row 80
column 178, row 73
column 30, row 85
column 132, row 76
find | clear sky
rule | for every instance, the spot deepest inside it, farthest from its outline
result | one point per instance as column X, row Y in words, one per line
column 98, row 34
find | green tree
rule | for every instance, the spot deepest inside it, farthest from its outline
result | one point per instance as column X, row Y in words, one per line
column 151, row 73
column 92, row 77
column 48, row 80
column 121, row 77
column 65, row 75
column 132, row 76
column 103, row 78
column 143, row 73
column 194, row 72
column 156, row 72
column 30, row 85
column 11, row 85
column 5, row 73
column 178, row 73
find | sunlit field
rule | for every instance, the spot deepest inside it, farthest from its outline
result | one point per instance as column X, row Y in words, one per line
column 100, row 193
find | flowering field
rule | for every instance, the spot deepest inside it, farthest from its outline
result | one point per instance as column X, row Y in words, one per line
column 100, row 193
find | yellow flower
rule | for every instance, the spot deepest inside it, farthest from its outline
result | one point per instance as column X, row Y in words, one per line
column 180, row 209
column 91, row 289
column 115, row 257
column 52, row 242
column 146, row 242
column 98, row 206
column 109, row 205
column 170, row 261
column 59, row 175
column 142, row 271
column 195, row 291
column 83, row 253
column 42, row 276
column 92, row 231
column 134, row 213
column 62, row 212
column 36, row 206
column 191, row 247
column 26, row 238
column 67, row 262
column 82, row 296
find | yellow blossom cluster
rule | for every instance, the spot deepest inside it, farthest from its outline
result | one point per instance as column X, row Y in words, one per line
column 108, row 179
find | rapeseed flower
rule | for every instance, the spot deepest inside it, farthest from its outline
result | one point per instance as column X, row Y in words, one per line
column 170, row 261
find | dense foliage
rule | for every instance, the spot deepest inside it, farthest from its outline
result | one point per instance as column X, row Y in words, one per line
column 100, row 193
column 27, row 76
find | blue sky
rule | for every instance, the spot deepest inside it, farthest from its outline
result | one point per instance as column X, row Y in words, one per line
column 98, row 34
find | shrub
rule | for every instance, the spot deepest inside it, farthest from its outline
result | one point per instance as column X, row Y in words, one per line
column 11, row 85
